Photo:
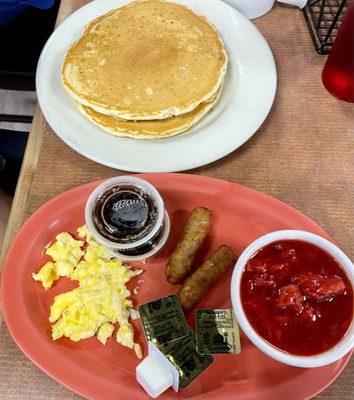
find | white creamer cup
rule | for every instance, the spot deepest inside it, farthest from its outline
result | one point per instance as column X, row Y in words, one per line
column 317, row 360
column 162, row 220
column 295, row 3
column 252, row 8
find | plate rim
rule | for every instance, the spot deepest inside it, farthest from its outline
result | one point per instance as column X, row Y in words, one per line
column 26, row 348
column 175, row 166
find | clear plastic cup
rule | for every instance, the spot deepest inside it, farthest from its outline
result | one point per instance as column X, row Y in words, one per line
column 123, row 241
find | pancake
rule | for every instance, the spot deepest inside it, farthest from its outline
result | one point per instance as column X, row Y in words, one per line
column 152, row 129
column 150, row 59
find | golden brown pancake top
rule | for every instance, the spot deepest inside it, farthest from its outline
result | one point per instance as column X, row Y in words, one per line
column 149, row 59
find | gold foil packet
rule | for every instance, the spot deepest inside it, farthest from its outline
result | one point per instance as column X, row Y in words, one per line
column 163, row 320
column 182, row 353
column 217, row 332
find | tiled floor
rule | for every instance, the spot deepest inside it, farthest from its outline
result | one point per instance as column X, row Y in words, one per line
column 11, row 102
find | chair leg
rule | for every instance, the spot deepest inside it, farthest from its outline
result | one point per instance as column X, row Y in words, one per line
column 26, row 119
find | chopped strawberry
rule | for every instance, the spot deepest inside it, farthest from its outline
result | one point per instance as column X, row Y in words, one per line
column 279, row 246
column 284, row 320
column 281, row 271
column 307, row 279
column 257, row 266
column 289, row 296
column 319, row 287
column 329, row 288
column 249, row 286
column 277, row 267
column 309, row 314
column 308, row 282
column 289, row 254
column 264, row 280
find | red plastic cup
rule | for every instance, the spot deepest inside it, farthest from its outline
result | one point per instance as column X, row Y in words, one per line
column 338, row 72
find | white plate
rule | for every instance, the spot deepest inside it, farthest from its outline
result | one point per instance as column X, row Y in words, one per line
column 247, row 97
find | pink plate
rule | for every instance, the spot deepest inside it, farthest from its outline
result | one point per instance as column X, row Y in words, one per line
column 240, row 215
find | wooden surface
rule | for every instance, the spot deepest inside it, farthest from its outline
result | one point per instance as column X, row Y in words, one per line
column 303, row 155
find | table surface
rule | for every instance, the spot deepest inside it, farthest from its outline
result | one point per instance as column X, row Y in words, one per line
column 302, row 155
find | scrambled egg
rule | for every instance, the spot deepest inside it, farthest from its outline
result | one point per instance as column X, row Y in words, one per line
column 101, row 299
column 47, row 275
column 66, row 253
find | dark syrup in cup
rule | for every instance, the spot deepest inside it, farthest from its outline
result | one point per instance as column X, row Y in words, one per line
column 127, row 215
column 124, row 214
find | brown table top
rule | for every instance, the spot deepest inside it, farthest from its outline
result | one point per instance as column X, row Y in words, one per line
column 302, row 155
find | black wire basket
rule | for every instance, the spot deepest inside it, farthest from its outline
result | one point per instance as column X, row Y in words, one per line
column 323, row 18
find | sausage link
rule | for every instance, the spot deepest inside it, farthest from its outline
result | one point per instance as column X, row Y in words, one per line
column 212, row 269
column 195, row 231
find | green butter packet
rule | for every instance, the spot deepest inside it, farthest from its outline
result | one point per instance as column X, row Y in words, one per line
column 217, row 332
column 163, row 320
column 182, row 353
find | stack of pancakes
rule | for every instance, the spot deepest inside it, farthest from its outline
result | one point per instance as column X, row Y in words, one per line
column 150, row 69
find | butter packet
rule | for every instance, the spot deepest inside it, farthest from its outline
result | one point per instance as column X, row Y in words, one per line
column 182, row 353
column 217, row 332
column 163, row 320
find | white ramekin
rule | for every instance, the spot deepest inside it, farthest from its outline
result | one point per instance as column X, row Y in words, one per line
column 318, row 360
